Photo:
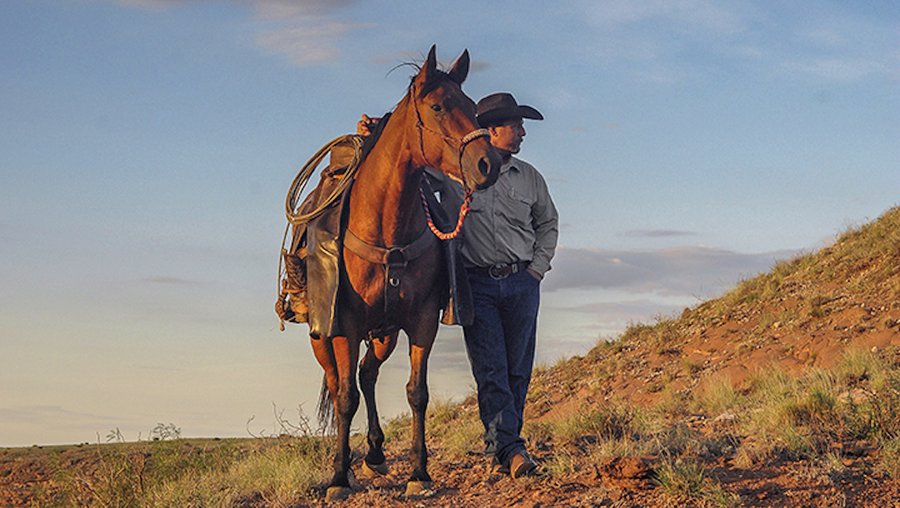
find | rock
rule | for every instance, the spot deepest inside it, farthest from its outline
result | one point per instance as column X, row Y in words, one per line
column 418, row 489
column 337, row 493
column 628, row 468
column 725, row 417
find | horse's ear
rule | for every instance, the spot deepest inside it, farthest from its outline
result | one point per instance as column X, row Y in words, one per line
column 460, row 68
column 428, row 70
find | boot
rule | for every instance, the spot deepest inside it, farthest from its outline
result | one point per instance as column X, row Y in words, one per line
column 293, row 288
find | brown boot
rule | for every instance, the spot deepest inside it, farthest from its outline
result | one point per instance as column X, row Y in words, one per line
column 293, row 287
column 521, row 465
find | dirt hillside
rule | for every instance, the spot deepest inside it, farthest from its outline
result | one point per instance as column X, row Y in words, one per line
column 806, row 312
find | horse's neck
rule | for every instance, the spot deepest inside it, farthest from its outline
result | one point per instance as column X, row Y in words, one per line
column 385, row 207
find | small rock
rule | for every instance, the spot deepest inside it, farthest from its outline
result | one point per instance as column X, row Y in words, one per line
column 725, row 417
column 628, row 468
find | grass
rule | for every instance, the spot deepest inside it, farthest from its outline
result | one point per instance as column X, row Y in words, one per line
column 279, row 471
column 688, row 479
column 716, row 396
column 890, row 457
column 461, row 432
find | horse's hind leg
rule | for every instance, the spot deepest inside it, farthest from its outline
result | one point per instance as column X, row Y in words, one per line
column 378, row 351
column 338, row 357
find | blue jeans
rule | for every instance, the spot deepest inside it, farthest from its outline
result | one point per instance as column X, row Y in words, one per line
column 500, row 345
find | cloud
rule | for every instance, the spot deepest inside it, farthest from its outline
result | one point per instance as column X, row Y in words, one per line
column 290, row 10
column 153, row 4
column 306, row 43
column 685, row 271
column 649, row 39
column 655, row 233
column 690, row 15
column 479, row 66
column 307, row 32
column 840, row 69
column 845, row 48
column 304, row 32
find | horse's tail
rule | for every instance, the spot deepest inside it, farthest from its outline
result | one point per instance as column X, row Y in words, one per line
column 325, row 408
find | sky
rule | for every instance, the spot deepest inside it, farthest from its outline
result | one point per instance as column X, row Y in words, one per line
column 146, row 147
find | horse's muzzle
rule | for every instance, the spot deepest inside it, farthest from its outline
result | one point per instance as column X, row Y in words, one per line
column 488, row 169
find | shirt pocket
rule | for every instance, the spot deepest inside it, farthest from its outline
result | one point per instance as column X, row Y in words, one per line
column 520, row 208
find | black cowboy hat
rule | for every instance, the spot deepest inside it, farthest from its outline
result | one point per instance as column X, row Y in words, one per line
column 499, row 107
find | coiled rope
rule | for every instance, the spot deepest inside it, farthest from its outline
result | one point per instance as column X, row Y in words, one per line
column 292, row 202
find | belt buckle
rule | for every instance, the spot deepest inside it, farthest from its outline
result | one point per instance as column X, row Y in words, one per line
column 499, row 271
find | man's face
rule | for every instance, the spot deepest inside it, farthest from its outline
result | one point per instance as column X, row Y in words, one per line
column 508, row 135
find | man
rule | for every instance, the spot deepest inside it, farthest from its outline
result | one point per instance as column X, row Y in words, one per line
column 510, row 237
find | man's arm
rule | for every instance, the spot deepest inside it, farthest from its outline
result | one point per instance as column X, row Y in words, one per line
column 545, row 220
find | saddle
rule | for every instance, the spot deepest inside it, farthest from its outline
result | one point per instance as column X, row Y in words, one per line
column 314, row 262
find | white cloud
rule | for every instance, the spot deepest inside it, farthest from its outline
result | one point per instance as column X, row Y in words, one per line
column 706, row 15
column 306, row 42
column 292, row 9
column 840, row 69
column 307, row 32
column 686, row 271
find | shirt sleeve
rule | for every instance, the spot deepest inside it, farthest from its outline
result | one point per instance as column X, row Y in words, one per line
column 545, row 221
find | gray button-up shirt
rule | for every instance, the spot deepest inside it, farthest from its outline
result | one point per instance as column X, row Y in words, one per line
column 513, row 220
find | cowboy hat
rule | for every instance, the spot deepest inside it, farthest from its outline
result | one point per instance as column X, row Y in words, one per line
column 499, row 107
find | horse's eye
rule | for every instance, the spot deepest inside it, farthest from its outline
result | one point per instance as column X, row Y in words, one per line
column 436, row 107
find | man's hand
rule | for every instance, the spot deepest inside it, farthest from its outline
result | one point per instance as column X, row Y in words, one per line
column 534, row 274
column 366, row 124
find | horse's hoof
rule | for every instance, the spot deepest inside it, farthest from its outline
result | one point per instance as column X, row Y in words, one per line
column 418, row 488
column 337, row 493
column 371, row 470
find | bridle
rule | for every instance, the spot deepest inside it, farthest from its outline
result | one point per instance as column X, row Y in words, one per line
column 462, row 142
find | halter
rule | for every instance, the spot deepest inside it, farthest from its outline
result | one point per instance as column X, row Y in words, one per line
column 462, row 142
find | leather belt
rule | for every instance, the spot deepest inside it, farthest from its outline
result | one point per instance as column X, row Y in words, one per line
column 500, row 270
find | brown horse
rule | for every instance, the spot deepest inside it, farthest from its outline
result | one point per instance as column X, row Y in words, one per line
column 433, row 125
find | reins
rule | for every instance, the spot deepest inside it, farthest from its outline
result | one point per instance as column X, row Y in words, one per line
column 463, row 143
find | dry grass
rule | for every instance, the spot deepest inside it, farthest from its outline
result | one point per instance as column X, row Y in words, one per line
column 689, row 479
column 280, row 471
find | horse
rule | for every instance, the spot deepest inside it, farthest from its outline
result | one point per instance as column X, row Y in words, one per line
column 433, row 126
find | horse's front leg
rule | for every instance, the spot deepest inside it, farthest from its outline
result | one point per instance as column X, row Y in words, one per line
column 417, row 395
column 378, row 351
column 346, row 401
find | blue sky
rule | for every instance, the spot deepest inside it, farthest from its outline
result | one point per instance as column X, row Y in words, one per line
column 146, row 147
